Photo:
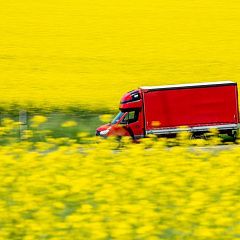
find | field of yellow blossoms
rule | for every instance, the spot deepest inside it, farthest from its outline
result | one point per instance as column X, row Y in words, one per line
column 65, row 53
column 94, row 188
column 83, row 56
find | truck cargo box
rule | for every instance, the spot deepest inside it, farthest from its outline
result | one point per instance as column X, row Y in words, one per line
column 194, row 105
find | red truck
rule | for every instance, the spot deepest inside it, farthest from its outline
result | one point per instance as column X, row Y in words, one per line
column 161, row 110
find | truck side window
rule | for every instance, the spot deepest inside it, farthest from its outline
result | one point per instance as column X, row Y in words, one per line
column 130, row 117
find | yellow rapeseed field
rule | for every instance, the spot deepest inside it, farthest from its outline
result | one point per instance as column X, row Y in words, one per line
column 63, row 189
column 88, row 53
column 93, row 188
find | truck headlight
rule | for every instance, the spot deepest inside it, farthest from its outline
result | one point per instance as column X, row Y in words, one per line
column 104, row 132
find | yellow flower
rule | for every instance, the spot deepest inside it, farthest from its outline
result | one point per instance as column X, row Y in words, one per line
column 105, row 118
column 38, row 120
column 83, row 134
column 69, row 124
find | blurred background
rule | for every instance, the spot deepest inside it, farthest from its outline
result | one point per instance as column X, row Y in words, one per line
column 80, row 57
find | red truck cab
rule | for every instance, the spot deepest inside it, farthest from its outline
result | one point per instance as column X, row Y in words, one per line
column 129, row 121
column 161, row 110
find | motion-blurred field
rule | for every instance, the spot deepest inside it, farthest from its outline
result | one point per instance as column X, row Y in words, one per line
column 56, row 54
column 56, row 181
column 90, row 188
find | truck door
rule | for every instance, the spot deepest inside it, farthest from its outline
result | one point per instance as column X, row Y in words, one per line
column 133, row 124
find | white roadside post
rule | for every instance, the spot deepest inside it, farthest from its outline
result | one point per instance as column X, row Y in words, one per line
column 23, row 123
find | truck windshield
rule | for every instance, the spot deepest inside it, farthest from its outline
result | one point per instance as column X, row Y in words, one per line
column 117, row 118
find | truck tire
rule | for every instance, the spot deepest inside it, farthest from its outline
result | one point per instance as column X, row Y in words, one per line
column 233, row 135
column 198, row 136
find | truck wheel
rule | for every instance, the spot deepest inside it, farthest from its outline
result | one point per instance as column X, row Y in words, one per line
column 198, row 136
column 233, row 135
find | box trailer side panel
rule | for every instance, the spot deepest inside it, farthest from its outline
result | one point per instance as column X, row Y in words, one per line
column 196, row 106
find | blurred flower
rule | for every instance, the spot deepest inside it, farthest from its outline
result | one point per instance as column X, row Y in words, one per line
column 105, row 118
column 69, row 124
column 38, row 120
